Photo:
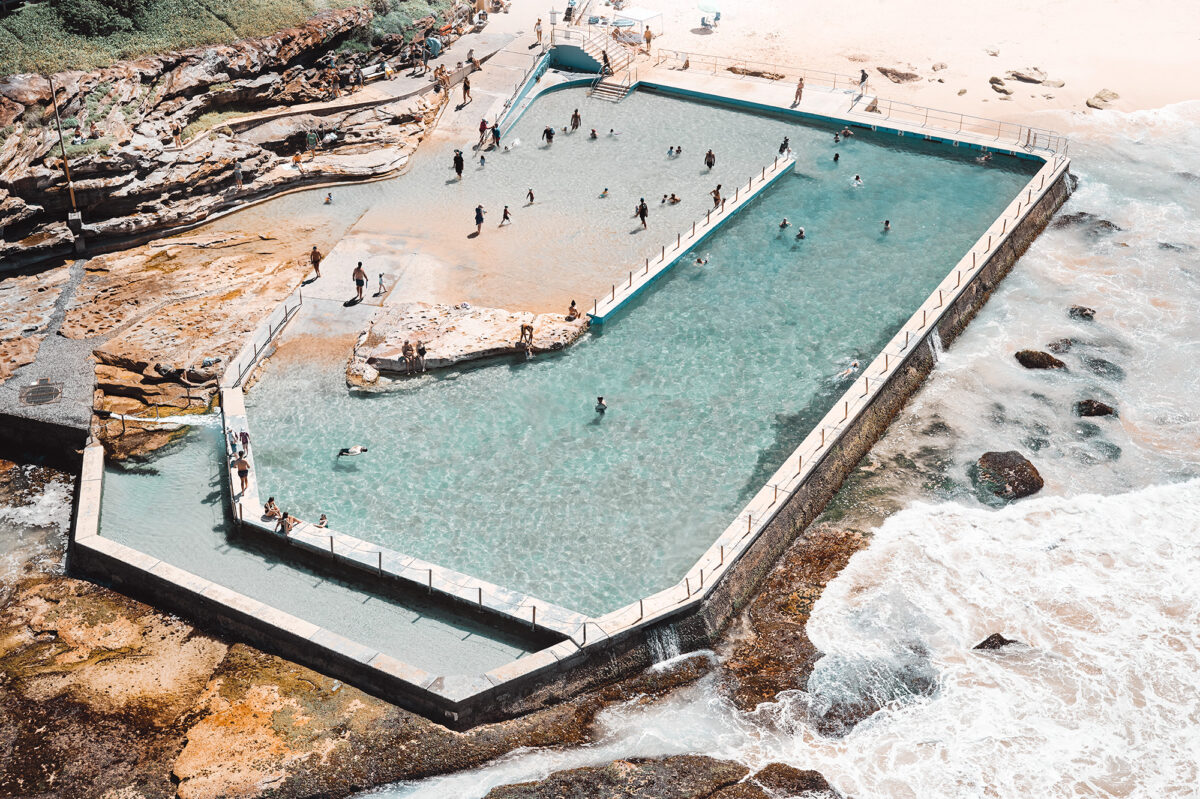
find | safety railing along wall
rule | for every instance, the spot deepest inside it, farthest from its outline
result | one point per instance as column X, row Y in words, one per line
column 260, row 340
column 669, row 254
column 703, row 577
column 873, row 107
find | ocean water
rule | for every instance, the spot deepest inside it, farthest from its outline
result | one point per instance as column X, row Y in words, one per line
column 1095, row 576
column 711, row 378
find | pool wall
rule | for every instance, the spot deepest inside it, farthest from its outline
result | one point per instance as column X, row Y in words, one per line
column 695, row 610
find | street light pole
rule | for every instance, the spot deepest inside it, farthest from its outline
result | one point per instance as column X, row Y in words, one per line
column 62, row 145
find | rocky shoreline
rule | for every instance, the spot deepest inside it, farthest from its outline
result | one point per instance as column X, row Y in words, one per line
column 133, row 175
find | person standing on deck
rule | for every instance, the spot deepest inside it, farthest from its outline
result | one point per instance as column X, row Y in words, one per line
column 479, row 212
column 862, row 80
column 466, row 89
column 647, row 37
column 643, row 211
column 458, row 163
column 496, row 134
column 537, row 29
column 799, row 92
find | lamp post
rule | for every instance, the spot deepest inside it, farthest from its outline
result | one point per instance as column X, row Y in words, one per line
column 74, row 220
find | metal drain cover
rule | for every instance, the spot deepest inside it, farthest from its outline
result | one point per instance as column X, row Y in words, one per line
column 43, row 392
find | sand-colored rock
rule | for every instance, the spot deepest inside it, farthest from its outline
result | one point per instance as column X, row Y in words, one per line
column 453, row 334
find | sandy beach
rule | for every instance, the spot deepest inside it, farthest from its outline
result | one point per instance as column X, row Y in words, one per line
column 1144, row 53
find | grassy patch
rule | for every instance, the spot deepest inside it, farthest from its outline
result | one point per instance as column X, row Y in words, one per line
column 89, row 147
column 206, row 122
column 33, row 38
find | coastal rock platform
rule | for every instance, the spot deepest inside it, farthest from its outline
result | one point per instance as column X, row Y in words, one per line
column 452, row 334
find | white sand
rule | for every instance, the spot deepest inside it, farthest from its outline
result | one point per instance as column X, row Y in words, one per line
column 1148, row 52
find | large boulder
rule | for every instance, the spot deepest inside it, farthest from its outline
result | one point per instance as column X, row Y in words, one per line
column 995, row 641
column 1036, row 359
column 1009, row 475
column 1091, row 407
column 784, row 780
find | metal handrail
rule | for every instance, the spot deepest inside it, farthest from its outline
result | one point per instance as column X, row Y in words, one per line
column 1024, row 136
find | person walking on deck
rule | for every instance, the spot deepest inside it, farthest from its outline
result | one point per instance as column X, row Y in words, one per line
column 479, row 212
column 314, row 258
column 458, row 163
column 360, row 280
column 862, row 80
column 243, row 470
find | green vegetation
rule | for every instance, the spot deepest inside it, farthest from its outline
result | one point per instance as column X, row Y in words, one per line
column 399, row 15
column 89, row 147
column 86, row 34
column 209, row 121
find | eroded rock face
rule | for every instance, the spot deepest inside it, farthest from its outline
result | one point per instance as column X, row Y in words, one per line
column 1035, row 359
column 1082, row 313
column 26, row 305
column 131, row 179
column 1102, row 99
column 1009, row 475
column 784, row 780
column 677, row 777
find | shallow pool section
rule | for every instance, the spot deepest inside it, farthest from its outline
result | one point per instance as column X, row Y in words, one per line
column 171, row 508
column 711, row 378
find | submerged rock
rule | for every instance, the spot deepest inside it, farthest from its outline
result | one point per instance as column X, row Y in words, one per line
column 1082, row 313
column 1036, row 359
column 1104, row 368
column 1059, row 346
column 1091, row 224
column 1009, row 475
column 995, row 641
column 1091, row 407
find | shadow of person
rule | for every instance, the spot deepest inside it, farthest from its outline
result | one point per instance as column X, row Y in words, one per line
column 312, row 279
column 474, row 234
column 350, row 303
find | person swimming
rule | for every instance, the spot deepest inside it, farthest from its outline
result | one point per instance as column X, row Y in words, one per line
column 887, row 225
column 604, row 193
column 799, row 234
column 849, row 370
column 673, row 199
column 858, row 181
column 329, row 198
column 593, row 134
column 784, row 224
column 357, row 449
column 601, row 405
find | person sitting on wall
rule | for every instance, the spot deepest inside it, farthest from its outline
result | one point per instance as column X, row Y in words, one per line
column 271, row 510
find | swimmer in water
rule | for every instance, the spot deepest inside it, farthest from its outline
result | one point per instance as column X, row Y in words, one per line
column 837, row 138
column 357, row 449
column 601, row 405
column 800, row 234
column 784, row 224
column 593, row 134
column 673, row 199
column 701, row 261
column 836, row 157
column 887, row 225
column 983, row 159
column 604, row 193
column 856, row 182
column 849, row 370
column 329, row 198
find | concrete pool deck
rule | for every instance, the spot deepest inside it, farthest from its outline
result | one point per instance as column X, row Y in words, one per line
column 704, row 599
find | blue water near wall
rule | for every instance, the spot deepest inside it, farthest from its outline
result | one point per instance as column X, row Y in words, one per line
column 712, row 378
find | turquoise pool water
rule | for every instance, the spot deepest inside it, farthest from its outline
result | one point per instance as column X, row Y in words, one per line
column 171, row 508
column 711, row 378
